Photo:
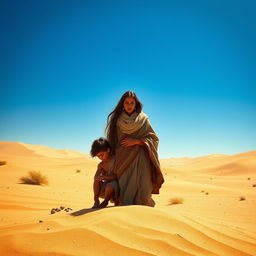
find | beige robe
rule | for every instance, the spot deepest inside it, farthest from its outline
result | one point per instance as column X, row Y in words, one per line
column 137, row 167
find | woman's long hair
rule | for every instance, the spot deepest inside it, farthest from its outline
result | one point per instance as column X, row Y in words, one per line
column 111, row 129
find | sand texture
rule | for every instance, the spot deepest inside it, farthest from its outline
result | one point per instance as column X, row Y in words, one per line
column 207, row 207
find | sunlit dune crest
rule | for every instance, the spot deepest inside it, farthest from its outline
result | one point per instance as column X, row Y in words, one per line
column 218, row 164
column 207, row 207
column 27, row 149
column 50, row 152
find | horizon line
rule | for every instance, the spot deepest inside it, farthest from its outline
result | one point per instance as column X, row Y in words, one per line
column 165, row 158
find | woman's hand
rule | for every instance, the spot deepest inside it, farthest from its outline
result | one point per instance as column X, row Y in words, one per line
column 128, row 142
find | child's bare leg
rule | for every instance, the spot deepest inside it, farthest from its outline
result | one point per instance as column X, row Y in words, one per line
column 109, row 192
column 96, row 191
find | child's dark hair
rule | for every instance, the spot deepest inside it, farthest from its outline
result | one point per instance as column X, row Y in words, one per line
column 99, row 145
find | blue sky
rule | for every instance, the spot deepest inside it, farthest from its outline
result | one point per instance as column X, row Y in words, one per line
column 65, row 64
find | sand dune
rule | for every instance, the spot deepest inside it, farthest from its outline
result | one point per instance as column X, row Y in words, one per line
column 239, row 164
column 212, row 220
column 22, row 149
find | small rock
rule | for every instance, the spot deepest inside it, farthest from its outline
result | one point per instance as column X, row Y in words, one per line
column 40, row 221
column 53, row 211
column 68, row 209
column 62, row 207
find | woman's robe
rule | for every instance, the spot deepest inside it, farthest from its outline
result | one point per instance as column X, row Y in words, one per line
column 137, row 167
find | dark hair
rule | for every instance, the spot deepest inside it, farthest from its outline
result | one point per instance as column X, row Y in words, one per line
column 99, row 145
column 113, row 117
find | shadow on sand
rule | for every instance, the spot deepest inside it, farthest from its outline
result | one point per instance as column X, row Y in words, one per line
column 87, row 210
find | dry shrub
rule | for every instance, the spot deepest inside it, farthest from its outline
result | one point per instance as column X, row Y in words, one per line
column 242, row 198
column 254, row 185
column 176, row 201
column 3, row 163
column 34, row 178
column 78, row 170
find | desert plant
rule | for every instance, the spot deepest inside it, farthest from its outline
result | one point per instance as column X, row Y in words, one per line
column 3, row 163
column 176, row 201
column 78, row 170
column 34, row 178
column 254, row 185
column 242, row 198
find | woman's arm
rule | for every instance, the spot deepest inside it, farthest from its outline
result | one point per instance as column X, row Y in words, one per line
column 128, row 142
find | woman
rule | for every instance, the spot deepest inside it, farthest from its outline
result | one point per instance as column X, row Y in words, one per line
column 134, row 144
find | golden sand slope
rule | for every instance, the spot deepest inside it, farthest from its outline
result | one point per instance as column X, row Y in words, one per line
column 132, row 230
column 212, row 220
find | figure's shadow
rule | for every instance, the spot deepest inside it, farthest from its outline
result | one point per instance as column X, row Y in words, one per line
column 87, row 210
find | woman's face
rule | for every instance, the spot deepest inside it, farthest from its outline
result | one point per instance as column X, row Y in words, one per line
column 129, row 105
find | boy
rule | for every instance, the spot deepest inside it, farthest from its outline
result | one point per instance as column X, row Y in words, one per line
column 105, row 183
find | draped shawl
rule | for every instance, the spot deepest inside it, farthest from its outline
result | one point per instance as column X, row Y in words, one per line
column 137, row 126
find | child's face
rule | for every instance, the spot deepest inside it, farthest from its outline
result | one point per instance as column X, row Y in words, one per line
column 103, row 155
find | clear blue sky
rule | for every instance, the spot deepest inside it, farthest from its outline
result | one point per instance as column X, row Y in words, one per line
column 65, row 64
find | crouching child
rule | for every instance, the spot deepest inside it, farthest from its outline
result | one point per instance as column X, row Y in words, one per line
column 105, row 183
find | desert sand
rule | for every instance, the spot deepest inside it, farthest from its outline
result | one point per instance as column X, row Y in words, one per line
column 207, row 206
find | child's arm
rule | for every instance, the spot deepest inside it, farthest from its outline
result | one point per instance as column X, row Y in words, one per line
column 99, row 173
column 109, row 178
